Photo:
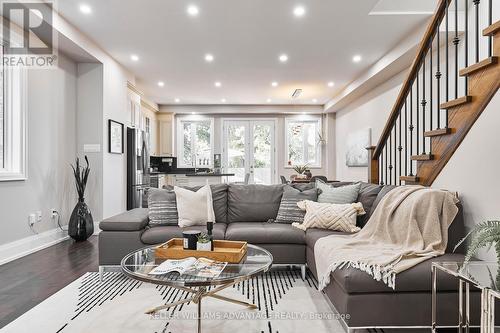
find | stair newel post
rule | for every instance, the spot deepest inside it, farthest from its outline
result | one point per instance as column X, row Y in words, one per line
column 373, row 166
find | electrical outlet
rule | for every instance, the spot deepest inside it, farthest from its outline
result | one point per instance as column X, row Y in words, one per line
column 38, row 216
column 32, row 219
column 53, row 213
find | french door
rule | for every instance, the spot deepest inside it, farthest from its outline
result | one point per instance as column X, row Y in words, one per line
column 248, row 148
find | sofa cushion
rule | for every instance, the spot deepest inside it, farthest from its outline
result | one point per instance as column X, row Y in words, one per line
column 253, row 203
column 161, row 234
column 162, row 207
column 289, row 212
column 337, row 195
column 265, row 233
column 385, row 189
column 367, row 195
column 313, row 234
column 415, row 279
column 132, row 220
column 219, row 199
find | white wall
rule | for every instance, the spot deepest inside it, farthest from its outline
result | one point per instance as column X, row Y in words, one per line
column 370, row 111
column 473, row 170
column 51, row 148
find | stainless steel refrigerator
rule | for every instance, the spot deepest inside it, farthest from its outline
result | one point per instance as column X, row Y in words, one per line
column 137, row 167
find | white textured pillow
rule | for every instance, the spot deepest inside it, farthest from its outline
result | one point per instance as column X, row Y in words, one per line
column 340, row 217
column 194, row 208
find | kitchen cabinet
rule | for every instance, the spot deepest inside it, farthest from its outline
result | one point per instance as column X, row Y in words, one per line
column 165, row 144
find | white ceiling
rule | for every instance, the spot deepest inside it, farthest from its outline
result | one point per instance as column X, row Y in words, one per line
column 246, row 38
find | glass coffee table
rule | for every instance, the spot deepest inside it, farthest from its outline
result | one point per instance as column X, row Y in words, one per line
column 483, row 275
column 138, row 264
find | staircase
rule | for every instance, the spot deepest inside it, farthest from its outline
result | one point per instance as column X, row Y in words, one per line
column 455, row 74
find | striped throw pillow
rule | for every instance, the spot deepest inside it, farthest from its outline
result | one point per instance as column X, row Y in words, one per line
column 162, row 207
column 289, row 212
column 337, row 195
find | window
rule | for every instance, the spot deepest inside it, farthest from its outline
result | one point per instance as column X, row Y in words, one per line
column 194, row 143
column 12, row 122
column 302, row 142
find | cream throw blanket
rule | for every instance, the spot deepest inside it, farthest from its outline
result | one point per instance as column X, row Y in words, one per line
column 409, row 225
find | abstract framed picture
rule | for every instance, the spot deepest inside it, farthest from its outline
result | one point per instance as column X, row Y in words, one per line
column 115, row 137
column 356, row 152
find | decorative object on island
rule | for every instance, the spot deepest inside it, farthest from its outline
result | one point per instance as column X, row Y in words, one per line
column 225, row 251
column 81, row 223
column 204, row 242
column 485, row 234
column 115, row 137
column 308, row 174
column 356, row 154
column 301, row 169
column 190, row 239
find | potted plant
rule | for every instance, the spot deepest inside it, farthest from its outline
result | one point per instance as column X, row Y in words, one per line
column 204, row 243
column 81, row 223
column 485, row 234
column 300, row 169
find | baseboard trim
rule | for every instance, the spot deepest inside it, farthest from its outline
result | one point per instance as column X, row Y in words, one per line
column 25, row 246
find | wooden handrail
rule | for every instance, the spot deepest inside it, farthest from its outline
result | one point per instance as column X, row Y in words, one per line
column 431, row 30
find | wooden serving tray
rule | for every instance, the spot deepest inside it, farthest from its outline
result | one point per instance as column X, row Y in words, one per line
column 226, row 251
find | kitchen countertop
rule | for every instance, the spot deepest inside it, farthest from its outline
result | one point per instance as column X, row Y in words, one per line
column 209, row 174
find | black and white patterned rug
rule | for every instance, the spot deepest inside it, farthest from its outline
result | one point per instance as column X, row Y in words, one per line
column 286, row 303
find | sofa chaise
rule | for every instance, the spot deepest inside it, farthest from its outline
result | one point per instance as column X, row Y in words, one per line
column 244, row 212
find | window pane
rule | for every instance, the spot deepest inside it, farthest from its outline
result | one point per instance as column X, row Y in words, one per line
column 296, row 143
column 236, row 152
column 310, row 144
column 262, row 154
column 187, row 144
column 202, row 146
column 2, row 118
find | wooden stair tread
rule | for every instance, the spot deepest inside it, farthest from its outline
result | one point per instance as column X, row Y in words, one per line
column 456, row 102
column 438, row 132
column 411, row 179
column 480, row 65
column 492, row 29
column 422, row 157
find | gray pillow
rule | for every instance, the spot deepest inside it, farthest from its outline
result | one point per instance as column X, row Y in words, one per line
column 289, row 212
column 162, row 207
column 337, row 195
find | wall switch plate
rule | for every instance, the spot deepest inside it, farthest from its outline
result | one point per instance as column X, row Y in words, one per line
column 32, row 219
column 92, row 148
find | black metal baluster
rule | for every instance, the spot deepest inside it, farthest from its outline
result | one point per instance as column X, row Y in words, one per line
column 418, row 116
column 395, row 164
column 411, row 129
column 438, row 79
column 389, row 180
column 424, row 103
column 386, row 164
column 490, row 22
column 466, row 59
column 430, row 90
column 456, row 41
column 447, row 54
column 400, row 147
column 406, row 138
column 476, row 3
column 381, row 169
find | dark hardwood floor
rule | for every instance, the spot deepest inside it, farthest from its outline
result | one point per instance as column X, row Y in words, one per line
column 30, row 280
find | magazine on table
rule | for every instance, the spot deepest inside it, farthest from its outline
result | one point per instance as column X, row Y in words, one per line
column 201, row 267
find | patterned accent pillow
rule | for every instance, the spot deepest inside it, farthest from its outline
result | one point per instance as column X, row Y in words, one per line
column 330, row 216
column 337, row 195
column 162, row 207
column 289, row 212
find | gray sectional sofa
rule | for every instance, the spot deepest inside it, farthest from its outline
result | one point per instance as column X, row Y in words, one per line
column 243, row 212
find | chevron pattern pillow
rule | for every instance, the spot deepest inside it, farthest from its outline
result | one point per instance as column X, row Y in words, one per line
column 339, row 217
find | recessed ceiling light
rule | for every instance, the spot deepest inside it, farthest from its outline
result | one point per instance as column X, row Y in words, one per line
column 209, row 57
column 193, row 113
column 304, row 113
column 161, row 84
column 356, row 58
column 177, row 100
column 86, row 9
column 134, row 57
column 223, row 100
column 193, row 10
column 283, row 58
column 274, row 84
column 299, row 11
column 315, row 100
column 218, row 84
column 331, row 84
column 269, row 100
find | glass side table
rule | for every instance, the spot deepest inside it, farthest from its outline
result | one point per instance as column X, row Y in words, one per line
column 482, row 275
